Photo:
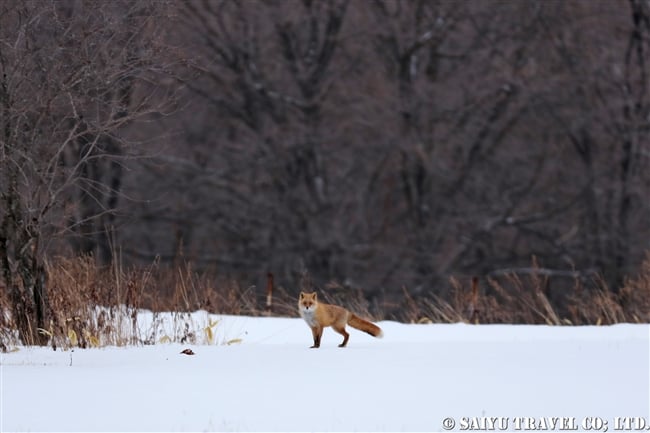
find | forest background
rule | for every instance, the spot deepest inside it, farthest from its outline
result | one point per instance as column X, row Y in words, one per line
column 419, row 160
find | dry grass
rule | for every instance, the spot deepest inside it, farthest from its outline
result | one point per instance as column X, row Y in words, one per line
column 94, row 306
column 527, row 299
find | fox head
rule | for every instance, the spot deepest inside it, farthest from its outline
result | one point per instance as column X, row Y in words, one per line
column 307, row 301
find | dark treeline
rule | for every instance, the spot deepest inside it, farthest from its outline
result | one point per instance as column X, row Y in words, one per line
column 381, row 144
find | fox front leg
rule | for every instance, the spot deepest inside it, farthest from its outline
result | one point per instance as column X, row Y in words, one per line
column 316, row 332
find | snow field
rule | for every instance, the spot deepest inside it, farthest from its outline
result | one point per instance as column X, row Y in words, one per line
column 268, row 380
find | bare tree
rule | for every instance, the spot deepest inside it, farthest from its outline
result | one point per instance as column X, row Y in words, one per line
column 67, row 76
column 595, row 100
column 266, row 74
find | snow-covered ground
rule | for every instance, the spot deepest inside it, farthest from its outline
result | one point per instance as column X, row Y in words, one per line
column 268, row 379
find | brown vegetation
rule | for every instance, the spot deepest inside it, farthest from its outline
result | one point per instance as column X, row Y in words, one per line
column 92, row 306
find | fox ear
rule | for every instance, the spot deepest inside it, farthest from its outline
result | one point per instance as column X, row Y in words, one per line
column 302, row 295
column 313, row 295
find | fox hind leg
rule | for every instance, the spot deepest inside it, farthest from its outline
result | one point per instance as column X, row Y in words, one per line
column 341, row 330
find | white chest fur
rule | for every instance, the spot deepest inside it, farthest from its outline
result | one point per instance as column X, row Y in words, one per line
column 309, row 316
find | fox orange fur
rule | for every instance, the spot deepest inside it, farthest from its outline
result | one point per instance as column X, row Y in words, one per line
column 319, row 315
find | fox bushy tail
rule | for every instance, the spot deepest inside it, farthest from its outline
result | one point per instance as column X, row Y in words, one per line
column 365, row 326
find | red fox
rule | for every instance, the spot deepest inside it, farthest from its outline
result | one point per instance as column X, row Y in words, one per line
column 319, row 315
